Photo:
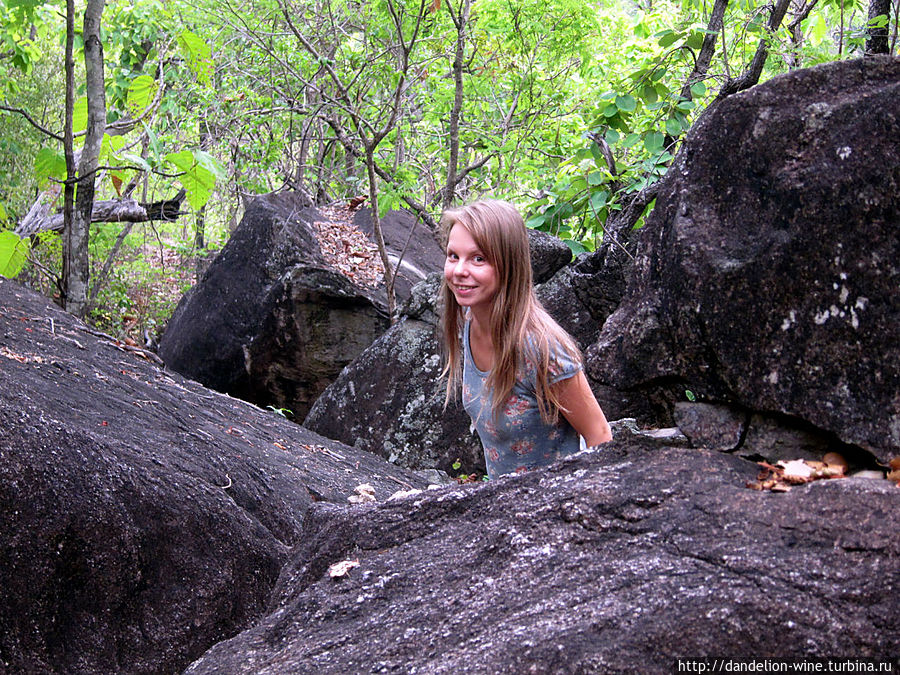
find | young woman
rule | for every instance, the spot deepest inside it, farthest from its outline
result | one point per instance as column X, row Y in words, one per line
column 522, row 377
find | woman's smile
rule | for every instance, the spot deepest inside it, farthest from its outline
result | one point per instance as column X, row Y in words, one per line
column 469, row 275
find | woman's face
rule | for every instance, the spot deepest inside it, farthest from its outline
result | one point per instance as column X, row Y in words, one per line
column 471, row 278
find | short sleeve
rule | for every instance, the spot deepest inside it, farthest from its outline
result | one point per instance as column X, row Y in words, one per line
column 562, row 367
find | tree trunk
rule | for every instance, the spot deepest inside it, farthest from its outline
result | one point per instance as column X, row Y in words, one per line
column 77, row 259
column 461, row 21
column 751, row 76
column 379, row 235
column 69, row 150
column 877, row 37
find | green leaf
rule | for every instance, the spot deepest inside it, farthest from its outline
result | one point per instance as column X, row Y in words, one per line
column 13, row 254
column 695, row 40
column 649, row 94
column 49, row 163
column 198, row 55
column 137, row 160
column 140, row 94
column 611, row 110
column 673, row 127
column 626, row 103
column 654, row 141
column 536, row 221
column 210, row 163
column 197, row 180
column 631, row 140
column 576, row 246
column 80, row 115
column 698, row 89
column 596, row 178
column 612, row 136
column 599, row 199
column 667, row 38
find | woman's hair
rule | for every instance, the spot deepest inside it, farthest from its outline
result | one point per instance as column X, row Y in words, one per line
column 519, row 325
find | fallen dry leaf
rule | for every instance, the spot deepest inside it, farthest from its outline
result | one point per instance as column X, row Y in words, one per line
column 364, row 493
column 780, row 477
column 340, row 569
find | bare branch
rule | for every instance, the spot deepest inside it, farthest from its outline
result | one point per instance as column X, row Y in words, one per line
column 32, row 122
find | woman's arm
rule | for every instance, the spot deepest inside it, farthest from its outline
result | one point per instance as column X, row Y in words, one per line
column 582, row 410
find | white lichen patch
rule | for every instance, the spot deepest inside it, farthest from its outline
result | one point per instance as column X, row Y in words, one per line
column 789, row 321
column 844, row 152
column 772, row 378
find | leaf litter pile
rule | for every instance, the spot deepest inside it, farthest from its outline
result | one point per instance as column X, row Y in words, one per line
column 347, row 248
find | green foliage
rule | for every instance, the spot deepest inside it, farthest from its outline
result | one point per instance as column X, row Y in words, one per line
column 570, row 107
column 13, row 254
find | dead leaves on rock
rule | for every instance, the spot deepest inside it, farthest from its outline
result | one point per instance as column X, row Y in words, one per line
column 781, row 476
column 894, row 473
column 345, row 247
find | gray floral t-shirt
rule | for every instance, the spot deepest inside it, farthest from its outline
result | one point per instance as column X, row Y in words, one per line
column 518, row 440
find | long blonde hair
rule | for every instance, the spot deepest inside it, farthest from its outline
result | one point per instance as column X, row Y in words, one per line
column 519, row 325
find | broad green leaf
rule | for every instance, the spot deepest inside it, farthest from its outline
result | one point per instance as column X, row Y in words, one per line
column 612, row 136
column 140, row 94
column 611, row 110
column 631, row 140
column 698, row 89
column 695, row 40
column 198, row 55
column 210, row 163
column 536, row 221
column 818, row 29
column 576, row 246
column 49, row 163
column 13, row 254
column 80, row 115
column 197, row 180
column 626, row 103
column 685, row 105
column 653, row 141
column 137, row 160
column 596, row 178
column 673, row 127
column 648, row 94
column 599, row 199
column 667, row 38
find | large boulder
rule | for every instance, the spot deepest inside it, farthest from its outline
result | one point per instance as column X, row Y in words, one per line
column 768, row 272
column 619, row 561
column 272, row 321
column 143, row 517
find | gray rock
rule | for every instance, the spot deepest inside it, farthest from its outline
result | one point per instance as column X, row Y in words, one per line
column 549, row 254
column 777, row 439
column 707, row 425
column 768, row 271
column 271, row 322
column 143, row 517
column 617, row 561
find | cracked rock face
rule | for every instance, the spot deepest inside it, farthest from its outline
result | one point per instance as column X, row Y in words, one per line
column 638, row 554
column 767, row 275
column 271, row 321
column 143, row 517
